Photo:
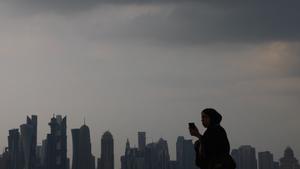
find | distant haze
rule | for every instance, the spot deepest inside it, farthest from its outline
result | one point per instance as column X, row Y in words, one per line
column 129, row 66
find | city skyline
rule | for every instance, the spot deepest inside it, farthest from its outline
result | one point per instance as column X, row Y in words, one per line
column 82, row 145
column 153, row 66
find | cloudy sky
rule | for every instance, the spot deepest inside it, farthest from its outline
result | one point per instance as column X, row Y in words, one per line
column 153, row 65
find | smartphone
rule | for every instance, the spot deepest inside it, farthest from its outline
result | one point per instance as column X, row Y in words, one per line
column 192, row 125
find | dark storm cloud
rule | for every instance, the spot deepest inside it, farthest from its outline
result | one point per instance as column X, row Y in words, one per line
column 86, row 56
column 74, row 6
column 206, row 22
column 192, row 22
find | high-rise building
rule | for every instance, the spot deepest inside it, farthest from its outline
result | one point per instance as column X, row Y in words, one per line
column 107, row 152
column 276, row 165
column 4, row 159
column 82, row 155
column 134, row 158
column 265, row 160
column 173, row 164
column 27, row 141
column 75, row 141
column 154, row 156
column 236, row 157
column 39, row 156
column 288, row 161
column 43, row 153
column 14, row 152
column 142, row 140
column 185, row 154
column 245, row 157
column 56, row 145
column 157, row 155
column 33, row 122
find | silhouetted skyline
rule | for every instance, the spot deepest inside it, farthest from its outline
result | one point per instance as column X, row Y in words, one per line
column 23, row 151
column 153, row 65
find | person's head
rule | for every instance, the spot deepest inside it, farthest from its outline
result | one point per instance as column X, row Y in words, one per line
column 210, row 117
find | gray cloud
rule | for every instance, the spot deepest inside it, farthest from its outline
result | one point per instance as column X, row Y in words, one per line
column 129, row 65
column 77, row 6
column 190, row 22
column 196, row 23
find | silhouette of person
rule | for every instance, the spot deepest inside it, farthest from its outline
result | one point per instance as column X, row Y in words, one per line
column 212, row 148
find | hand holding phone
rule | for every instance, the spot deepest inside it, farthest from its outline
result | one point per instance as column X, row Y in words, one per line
column 193, row 130
column 192, row 125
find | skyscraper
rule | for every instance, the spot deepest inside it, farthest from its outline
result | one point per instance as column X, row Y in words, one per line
column 27, row 141
column 39, row 156
column 157, row 155
column 265, row 160
column 134, row 158
column 173, row 164
column 33, row 122
column 154, row 156
column 107, row 152
column 236, row 157
column 85, row 157
column 142, row 140
column 276, row 165
column 131, row 159
column 14, row 149
column 288, row 161
column 44, row 153
column 56, row 145
column 185, row 154
column 75, row 141
column 245, row 157
column 4, row 159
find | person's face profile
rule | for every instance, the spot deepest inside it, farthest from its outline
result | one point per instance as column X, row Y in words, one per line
column 205, row 120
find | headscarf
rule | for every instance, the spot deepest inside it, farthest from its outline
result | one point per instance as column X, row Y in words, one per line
column 215, row 117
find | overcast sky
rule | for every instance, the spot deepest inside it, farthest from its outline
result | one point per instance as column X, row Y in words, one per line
column 153, row 65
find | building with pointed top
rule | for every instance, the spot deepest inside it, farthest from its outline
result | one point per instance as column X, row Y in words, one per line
column 85, row 158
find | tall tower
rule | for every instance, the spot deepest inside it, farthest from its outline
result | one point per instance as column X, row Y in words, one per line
column 157, row 155
column 75, row 139
column 185, row 153
column 14, row 149
column 85, row 159
column 180, row 152
column 236, row 157
column 27, row 140
column 56, row 147
column 265, row 160
column 33, row 122
column 247, row 157
column 142, row 140
column 107, row 152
